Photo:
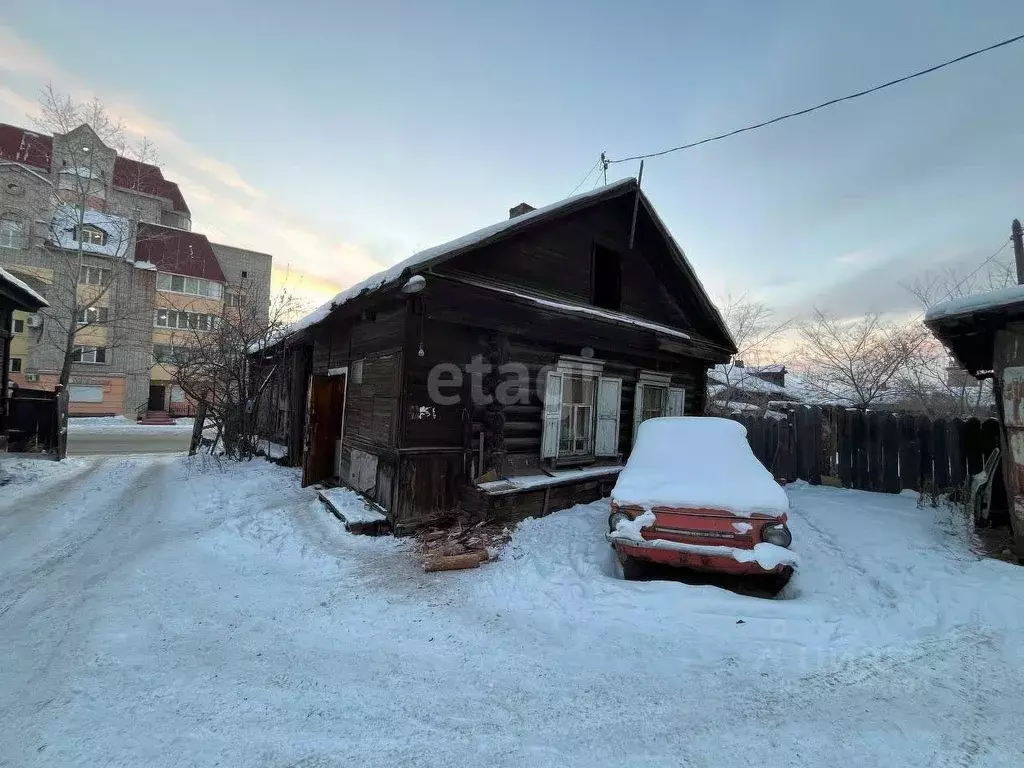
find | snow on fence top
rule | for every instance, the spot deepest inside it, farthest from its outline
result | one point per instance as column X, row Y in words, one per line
column 394, row 273
column 698, row 462
column 977, row 302
column 21, row 285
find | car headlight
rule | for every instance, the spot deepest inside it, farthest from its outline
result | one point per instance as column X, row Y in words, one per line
column 615, row 518
column 777, row 534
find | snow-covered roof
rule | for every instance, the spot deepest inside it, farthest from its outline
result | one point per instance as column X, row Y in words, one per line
column 118, row 230
column 22, row 287
column 698, row 462
column 745, row 380
column 81, row 172
column 978, row 302
column 413, row 263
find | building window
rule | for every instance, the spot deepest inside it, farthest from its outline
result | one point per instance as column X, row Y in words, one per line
column 12, row 231
column 606, row 288
column 576, row 432
column 233, row 300
column 193, row 286
column 15, row 365
column 189, row 321
column 655, row 397
column 581, row 412
column 80, row 393
column 93, row 315
column 93, row 276
column 165, row 354
column 90, row 355
column 18, row 325
column 90, row 234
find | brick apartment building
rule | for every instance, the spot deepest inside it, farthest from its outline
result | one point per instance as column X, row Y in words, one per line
column 139, row 255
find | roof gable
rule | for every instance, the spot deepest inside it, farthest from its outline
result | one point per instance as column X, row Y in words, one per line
column 712, row 327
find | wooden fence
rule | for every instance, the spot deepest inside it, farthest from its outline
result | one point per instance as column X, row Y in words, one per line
column 872, row 451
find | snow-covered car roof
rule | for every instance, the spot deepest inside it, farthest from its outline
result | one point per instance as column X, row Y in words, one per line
column 698, row 462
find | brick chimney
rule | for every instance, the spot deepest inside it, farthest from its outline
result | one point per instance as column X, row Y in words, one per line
column 520, row 209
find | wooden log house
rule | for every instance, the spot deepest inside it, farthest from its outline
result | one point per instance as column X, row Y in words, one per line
column 502, row 374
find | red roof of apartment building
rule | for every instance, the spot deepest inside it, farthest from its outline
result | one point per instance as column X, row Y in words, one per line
column 36, row 149
column 148, row 179
column 26, row 147
column 178, row 251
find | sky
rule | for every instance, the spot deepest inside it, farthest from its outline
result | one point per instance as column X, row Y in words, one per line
column 342, row 137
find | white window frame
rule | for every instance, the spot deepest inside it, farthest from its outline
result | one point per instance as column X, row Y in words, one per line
column 603, row 421
column 93, row 315
column 204, row 288
column 12, row 230
column 674, row 402
column 93, row 235
column 88, row 272
column 14, row 360
column 88, row 355
column 193, row 321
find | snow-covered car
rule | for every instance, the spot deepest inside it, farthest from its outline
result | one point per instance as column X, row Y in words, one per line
column 693, row 495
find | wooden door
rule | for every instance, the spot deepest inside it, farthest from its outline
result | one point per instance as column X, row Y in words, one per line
column 323, row 427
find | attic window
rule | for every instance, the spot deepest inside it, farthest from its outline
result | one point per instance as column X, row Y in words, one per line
column 90, row 235
column 606, row 288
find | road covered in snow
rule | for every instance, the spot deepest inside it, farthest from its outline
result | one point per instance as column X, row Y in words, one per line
column 164, row 612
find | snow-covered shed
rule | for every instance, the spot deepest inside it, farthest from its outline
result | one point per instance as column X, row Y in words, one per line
column 502, row 374
column 985, row 333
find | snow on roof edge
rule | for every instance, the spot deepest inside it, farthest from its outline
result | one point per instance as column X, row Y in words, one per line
column 22, row 285
column 977, row 302
column 378, row 280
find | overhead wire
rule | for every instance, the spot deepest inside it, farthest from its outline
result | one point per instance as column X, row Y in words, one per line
column 584, row 179
column 824, row 104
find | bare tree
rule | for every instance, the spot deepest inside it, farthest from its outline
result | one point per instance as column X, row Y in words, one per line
column 931, row 382
column 857, row 361
column 212, row 367
column 756, row 331
column 90, row 236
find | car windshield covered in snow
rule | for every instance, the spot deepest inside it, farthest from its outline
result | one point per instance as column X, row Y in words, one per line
column 698, row 462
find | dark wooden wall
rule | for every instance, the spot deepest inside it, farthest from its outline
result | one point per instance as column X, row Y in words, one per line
column 557, row 259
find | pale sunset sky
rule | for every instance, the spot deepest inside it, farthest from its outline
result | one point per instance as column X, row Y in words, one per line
column 342, row 137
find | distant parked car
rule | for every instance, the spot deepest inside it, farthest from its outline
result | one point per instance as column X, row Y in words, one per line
column 693, row 495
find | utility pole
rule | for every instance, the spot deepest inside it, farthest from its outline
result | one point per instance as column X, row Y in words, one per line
column 1017, row 235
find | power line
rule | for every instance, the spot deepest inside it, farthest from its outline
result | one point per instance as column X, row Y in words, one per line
column 828, row 103
column 978, row 269
column 584, row 179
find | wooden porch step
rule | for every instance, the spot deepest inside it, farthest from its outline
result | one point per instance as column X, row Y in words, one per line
column 358, row 514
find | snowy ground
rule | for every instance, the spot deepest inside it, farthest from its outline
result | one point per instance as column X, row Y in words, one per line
column 161, row 613
column 124, row 425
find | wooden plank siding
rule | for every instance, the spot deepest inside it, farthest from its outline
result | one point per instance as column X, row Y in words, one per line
column 472, row 307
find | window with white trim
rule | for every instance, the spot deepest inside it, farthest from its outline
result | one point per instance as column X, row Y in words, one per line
column 581, row 412
column 655, row 397
column 96, row 355
column 90, row 235
column 17, row 325
column 193, row 286
column 12, row 231
column 190, row 321
column 93, row 276
column 15, row 365
column 93, row 315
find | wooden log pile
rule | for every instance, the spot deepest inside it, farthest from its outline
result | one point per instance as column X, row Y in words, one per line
column 461, row 547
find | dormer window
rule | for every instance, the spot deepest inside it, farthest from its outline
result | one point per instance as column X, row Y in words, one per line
column 90, row 235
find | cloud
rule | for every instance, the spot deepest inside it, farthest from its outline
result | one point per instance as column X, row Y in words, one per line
column 225, row 206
